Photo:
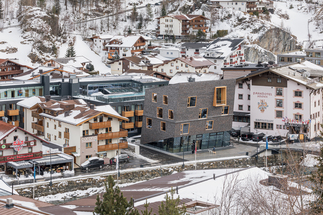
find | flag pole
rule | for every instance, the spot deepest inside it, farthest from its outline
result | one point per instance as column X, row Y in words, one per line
column 266, row 150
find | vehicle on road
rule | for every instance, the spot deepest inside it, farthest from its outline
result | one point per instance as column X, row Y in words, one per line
column 246, row 136
column 123, row 158
column 258, row 137
column 91, row 163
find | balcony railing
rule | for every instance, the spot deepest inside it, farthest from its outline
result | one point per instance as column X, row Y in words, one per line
column 15, row 123
column 138, row 124
column 13, row 112
column 127, row 125
column 137, row 50
column 128, row 113
column 66, row 135
column 112, row 135
column 98, row 125
column 139, row 112
column 36, row 115
column 69, row 150
column 109, row 147
column 139, row 44
column 37, row 127
column 196, row 52
column 1, row 113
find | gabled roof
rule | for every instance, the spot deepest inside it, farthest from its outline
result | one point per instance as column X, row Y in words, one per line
column 224, row 46
column 298, row 72
column 6, row 129
column 125, row 42
column 195, row 45
column 184, row 77
column 5, row 60
column 196, row 61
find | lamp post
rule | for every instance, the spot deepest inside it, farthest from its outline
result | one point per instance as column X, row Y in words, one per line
column 183, row 150
column 50, row 171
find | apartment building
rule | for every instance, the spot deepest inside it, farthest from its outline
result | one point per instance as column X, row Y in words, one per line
column 121, row 46
column 178, row 115
column 291, row 57
column 225, row 52
column 10, row 69
column 195, row 64
column 181, row 25
column 193, row 49
column 83, row 130
column 124, row 64
column 280, row 101
column 314, row 55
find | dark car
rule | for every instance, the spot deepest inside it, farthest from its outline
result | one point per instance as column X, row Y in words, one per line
column 277, row 138
column 270, row 138
column 92, row 163
column 234, row 133
column 246, row 136
column 123, row 158
column 258, row 137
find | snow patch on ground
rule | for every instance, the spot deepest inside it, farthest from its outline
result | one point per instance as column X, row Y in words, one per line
column 310, row 160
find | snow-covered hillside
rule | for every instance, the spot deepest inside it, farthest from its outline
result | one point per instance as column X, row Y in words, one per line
column 42, row 36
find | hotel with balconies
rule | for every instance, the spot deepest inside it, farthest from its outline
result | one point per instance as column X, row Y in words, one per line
column 9, row 69
column 83, row 130
column 181, row 25
column 225, row 52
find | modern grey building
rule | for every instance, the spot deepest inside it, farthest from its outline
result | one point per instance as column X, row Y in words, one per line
column 178, row 115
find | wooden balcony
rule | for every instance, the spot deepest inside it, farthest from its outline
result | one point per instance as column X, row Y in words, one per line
column 139, row 44
column 128, row 113
column 98, row 125
column 36, row 115
column 139, row 112
column 112, row 135
column 69, row 150
column 37, row 127
column 66, row 135
column 1, row 113
column 137, row 50
column 127, row 125
column 138, row 124
column 200, row 28
column 15, row 123
column 109, row 147
column 13, row 112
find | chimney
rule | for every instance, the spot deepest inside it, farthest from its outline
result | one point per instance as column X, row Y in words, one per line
column 92, row 106
column 67, row 113
column 9, row 203
column 47, row 98
column 40, row 71
column 191, row 79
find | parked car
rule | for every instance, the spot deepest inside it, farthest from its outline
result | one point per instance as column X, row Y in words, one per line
column 258, row 137
column 91, row 163
column 246, row 136
column 270, row 138
column 277, row 138
column 123, row 158
column 234, row 133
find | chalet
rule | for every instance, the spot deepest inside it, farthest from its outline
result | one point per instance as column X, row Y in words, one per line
column 181, row 25
column 138, row 63
column 78, row 62
column 9, row 69
column 185, row 64
column 83, row 131
column 224, row 52
column 121, row 46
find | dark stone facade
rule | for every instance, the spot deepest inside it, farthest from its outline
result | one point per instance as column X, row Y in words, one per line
column 177, row 101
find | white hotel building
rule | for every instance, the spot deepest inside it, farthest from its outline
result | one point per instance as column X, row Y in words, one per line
column 280, row 101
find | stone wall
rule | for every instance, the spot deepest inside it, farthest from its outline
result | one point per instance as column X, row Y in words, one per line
column 145, row 174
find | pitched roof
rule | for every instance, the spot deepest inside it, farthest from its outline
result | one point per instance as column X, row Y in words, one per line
column 196, row 61
column 298, row 72
column 146, row 72
column 195, row 45
column 224, row 46
column 5, row 60
column 183, row 77
column 126, row 42
column 5, row 129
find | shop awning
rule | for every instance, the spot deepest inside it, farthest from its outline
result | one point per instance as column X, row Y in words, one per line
column 75, row 154
column 20, row 164
column 54, row 159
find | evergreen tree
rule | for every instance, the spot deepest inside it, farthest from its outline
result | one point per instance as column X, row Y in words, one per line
column 171, row 206
column 129, row 31
column 164, row 12
column 317, row 181
column 134, row 14
column 200, row 35
column 149, row 12
column 113, row 202
column 70, row 52
column 1, row 10
column 203, row 14
column 146, row 211
column 141, row 20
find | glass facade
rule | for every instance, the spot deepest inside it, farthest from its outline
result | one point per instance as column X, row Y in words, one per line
column 21, row 92
column 202, row 141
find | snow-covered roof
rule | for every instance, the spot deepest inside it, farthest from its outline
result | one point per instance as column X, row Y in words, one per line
column 298, row 72
column 182, row 77
column 31, row 101
column 126, row 42
column 223, row 47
